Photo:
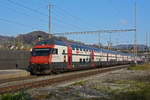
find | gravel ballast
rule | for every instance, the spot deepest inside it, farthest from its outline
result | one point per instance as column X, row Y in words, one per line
column 97, row 87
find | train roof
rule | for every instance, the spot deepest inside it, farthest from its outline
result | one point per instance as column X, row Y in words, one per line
column 79, row 46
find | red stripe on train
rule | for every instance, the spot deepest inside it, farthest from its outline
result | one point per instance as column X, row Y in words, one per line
column 44, row 46
column 92, row 58
column 107, row 57
column 69, row 50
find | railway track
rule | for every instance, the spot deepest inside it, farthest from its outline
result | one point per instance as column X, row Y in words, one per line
column 16, row 79
column 53, row 80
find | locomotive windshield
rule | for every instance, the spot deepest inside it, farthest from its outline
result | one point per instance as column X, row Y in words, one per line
column 41, row 52
column 44, row 51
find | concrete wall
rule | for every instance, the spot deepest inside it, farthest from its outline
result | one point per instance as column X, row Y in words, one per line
column 10, row 59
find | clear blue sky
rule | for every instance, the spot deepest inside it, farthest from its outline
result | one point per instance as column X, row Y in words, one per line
column 23, row 16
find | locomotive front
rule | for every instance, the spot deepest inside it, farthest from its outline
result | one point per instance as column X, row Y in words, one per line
column 41, row 59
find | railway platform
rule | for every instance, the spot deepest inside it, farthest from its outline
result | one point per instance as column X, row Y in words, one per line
column 13, row 73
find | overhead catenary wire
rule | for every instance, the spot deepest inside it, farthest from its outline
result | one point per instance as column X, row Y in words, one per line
column 26, row 14
column 58, row 18
column 22, row 13
column 25, row 7
column 61, row 21
column 64, row 12
column 61, row 14
column 84, row 22
column 14, row 22
column 41, row 13
column 95, row 32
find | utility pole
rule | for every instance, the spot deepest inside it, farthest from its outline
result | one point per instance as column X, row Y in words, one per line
column 99, row 40
column 110, row 42
column 49, row 25
column 135, row 46
column 146, row 41
column 147, row 49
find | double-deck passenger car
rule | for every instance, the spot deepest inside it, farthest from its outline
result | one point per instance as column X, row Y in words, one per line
column 52, row 56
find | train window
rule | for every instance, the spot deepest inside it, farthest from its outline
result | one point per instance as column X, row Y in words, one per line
column 80, row 60
column 64, row 58
column 89, row 59
column 63, row 51
column 41, row 52
column 55, row 51
column 86, row 59
column 83, row 60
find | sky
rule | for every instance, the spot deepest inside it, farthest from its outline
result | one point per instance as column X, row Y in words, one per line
column 23, row 16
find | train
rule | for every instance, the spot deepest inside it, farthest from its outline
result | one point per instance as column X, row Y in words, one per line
column 55, row 56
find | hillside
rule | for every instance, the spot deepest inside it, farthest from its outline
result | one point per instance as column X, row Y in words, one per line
column 31, row 38
column 25, row 40
column 4, row 39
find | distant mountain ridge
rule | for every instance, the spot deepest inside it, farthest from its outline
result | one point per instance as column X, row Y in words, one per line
column 141, row 47
column 29, row 38
column 32, row 37
column 4, row 39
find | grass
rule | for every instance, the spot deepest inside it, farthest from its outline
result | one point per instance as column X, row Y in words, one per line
column 18, row 96
column 124, row 82
column 136, row 91
column 140, row 67
column 142, row 92
column 82, row 83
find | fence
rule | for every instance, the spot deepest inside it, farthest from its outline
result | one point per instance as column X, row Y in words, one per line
column 14, row 59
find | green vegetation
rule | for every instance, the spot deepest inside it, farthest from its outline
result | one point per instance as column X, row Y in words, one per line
column 80, row 83
column 92, row 99
column 48, row 96
column 139, row 91
column 127, row 90
column 124, row 82
column 139, row 67
column 18, row 96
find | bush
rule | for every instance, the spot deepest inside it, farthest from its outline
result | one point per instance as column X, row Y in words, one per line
column 132, row 66
column 139, row 67
column 82, row 83
column 18, row 96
